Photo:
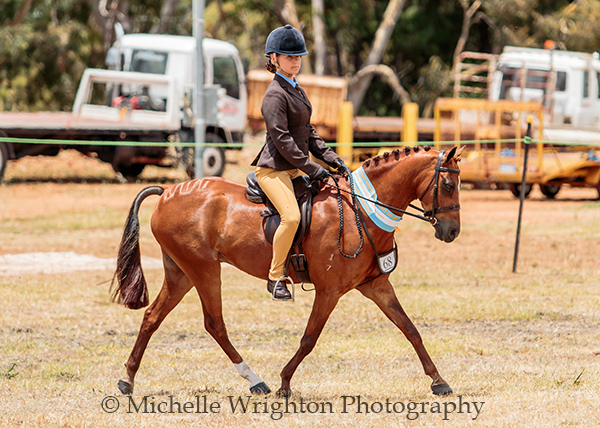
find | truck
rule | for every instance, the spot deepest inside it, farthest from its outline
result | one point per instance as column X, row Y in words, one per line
column 493, row 95
column 144, row 97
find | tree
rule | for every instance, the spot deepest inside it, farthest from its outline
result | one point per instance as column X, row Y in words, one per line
column 46, row 44
column 469, row 13
column 382, row 36
column 318, row 11
column 44, row 53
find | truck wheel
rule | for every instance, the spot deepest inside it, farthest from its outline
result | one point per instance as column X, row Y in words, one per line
column 3, row 158
column 214, row 158
column 515, row 189
column 549, row 190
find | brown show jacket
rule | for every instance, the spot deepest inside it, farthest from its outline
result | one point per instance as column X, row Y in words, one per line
column 290, row 136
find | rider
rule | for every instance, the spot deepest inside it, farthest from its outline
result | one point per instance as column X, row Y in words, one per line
column 290, row 137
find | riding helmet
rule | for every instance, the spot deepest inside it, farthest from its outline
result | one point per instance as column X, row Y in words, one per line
column 286, row 41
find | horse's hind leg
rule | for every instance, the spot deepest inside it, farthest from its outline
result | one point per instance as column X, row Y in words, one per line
column 382, row 293
column 175, row 286
column 208, row 284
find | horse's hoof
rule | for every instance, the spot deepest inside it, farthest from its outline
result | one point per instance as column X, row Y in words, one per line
column 284, row 393
column 441, row 389
column 125, row 387
column 260, row 388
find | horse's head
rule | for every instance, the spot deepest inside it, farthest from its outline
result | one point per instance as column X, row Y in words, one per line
column 439, row 194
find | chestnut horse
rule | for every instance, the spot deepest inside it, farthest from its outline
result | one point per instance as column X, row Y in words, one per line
column 200, row 224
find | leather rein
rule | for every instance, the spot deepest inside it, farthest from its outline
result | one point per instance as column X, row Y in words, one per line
column 428, row 216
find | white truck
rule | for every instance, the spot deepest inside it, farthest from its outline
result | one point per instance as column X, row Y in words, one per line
column 566, row 83
column 561, row 89
column 146, row 97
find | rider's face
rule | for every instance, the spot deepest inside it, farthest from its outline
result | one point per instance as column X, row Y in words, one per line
column 289, row 64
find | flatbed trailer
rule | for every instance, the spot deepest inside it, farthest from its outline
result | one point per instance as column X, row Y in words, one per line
column 496, row 155
column 92, row 125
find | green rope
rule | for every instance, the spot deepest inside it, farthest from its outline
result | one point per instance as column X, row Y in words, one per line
column 371, row 144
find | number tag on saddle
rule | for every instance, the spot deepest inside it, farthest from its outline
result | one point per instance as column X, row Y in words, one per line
column 387, row 262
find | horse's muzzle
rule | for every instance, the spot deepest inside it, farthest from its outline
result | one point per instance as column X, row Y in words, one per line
column 447, row 231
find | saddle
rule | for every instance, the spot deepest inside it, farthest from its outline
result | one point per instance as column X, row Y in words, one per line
column 304, row 193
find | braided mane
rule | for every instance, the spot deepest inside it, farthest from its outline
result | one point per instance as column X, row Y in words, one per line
column 395, row 155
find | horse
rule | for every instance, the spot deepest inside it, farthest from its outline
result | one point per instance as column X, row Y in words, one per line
column 202, row 223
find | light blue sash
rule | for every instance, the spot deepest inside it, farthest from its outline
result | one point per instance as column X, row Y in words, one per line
column 381, row 216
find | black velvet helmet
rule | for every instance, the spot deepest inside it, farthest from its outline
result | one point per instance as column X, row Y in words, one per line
column 286, row 41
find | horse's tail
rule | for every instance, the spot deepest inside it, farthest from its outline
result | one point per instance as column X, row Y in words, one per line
column 132, row 290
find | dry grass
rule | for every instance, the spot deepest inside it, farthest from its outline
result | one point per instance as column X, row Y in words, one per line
column 525, row 344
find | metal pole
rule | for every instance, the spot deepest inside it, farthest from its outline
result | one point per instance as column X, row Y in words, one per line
column 522, row 195
column 199, row 121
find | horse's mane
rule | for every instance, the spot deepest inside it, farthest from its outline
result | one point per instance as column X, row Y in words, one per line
column 385, row 158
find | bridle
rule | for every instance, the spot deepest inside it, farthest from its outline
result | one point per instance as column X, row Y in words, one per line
column 428, row 216
column 435, row 180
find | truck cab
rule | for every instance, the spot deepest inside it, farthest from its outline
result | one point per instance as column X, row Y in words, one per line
column 176, row 56
column 566, row 83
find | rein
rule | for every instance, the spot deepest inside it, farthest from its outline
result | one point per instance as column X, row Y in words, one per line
column 428, row 216
column 357, row 214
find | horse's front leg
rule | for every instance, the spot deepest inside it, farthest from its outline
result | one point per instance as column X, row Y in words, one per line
column 382, row 293
column 323, row 305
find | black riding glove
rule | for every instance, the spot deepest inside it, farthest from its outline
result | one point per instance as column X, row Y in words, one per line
column 319, row 175
column 341, row 167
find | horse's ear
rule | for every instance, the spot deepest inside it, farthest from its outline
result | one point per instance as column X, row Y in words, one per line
column 450, row 155
column 454, row 153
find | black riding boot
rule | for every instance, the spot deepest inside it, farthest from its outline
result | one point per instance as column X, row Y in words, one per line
column 281, row 290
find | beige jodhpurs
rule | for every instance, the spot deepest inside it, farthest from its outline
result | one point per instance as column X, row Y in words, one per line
column 278, row 187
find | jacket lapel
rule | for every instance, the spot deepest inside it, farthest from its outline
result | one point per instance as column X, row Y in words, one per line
column 293, row 91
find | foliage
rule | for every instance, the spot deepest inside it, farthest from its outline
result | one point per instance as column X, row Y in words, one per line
column 43, row 58
column 43, row 55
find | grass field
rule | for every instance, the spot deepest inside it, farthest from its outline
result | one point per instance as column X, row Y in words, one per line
column 525, row 344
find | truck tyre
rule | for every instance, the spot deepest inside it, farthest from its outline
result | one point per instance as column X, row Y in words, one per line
column 3, row 158
column 550, row 190
column 214, row 157
column 515, row 189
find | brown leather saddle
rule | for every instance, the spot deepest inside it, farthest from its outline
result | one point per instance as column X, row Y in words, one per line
column 304, row 191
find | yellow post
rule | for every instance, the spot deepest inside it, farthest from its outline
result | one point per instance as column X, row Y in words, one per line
column 345, row 135
column 410, row 114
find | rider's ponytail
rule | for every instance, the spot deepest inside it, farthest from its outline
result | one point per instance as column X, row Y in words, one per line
column 270, row 66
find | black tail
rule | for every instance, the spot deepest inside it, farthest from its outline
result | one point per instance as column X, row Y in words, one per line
column 132, row 290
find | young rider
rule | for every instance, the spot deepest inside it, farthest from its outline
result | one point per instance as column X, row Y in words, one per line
column 290, row 138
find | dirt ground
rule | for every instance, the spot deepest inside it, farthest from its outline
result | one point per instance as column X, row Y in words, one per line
column 525, row 344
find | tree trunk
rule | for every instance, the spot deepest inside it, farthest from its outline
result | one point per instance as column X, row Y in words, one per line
column 166, row 17
column 382, row 36
column 390, row 77
column 466, row 26
column 319, row 34
column 21, row 14
column 106, row 15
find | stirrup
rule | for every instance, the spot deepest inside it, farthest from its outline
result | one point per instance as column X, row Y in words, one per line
column 292, row 291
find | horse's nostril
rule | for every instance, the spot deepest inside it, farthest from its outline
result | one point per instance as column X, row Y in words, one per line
column 453, row 234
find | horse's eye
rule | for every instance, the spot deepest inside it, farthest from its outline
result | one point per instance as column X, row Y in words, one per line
column 448, row 187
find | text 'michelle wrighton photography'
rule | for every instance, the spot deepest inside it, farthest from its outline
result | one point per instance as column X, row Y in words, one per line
column 279, row 408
